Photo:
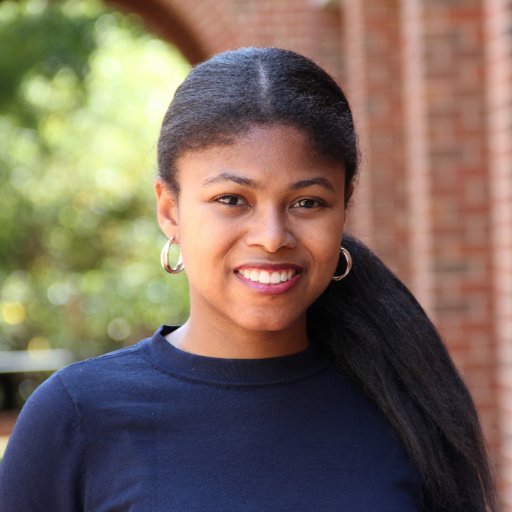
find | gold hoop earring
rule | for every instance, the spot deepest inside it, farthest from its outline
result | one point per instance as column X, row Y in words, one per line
column 164, row 259
column 348, row 258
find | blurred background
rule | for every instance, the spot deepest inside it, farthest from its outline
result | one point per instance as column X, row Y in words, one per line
column 83, row 88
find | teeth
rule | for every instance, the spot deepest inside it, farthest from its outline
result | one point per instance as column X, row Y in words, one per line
column 265, row 277
column 275, row 277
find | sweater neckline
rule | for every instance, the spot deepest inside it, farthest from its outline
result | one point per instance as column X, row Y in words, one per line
column 234, row 372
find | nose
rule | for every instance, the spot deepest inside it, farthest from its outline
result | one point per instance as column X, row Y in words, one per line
column 269, row 229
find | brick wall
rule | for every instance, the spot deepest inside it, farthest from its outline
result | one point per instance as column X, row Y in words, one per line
column 460, row 206
column 498, row 23
column 374, row 84
column 430, row 82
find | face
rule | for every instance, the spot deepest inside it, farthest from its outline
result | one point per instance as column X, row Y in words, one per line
column 259, row 223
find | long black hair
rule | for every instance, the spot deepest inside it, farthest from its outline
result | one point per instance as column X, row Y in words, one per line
column 377, row 332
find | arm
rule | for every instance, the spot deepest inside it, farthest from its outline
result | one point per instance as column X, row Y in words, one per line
column 43, row 465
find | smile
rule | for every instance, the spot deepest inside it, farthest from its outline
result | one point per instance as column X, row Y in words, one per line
column 267, row 277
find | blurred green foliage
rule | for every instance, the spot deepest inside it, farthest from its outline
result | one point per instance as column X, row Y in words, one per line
column 83, row 90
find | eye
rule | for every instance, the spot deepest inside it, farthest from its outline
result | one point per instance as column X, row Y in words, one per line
column 230, row 200
column 308, row 203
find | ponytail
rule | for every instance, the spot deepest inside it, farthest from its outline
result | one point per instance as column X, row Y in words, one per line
column 382, row 339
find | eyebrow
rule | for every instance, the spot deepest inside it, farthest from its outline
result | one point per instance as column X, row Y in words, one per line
column 230, row 176
column 242, row 180
column 319, row 180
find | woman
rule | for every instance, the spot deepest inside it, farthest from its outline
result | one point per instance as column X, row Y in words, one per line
column 298, row 382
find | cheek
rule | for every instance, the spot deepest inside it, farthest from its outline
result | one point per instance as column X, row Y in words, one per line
column 327, row 238
column 204, row 239
column 324, row 250
column 332, row 257
column 327, row 251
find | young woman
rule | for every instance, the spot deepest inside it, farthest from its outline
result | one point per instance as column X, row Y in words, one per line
column 307, row 378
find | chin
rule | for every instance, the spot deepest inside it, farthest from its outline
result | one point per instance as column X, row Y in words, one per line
column 266, row 323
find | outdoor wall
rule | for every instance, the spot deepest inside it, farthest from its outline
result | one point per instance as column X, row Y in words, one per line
column 498, row 23
column 431, row 87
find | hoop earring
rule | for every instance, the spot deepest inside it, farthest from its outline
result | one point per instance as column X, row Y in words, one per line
column 348, row 258
column 164, row 259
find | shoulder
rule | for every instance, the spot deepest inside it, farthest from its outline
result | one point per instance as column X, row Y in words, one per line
column 61, row 395
column 96, row 375
column 117, row 358
column 48, row 434
column 71, row 392
column 54, row 427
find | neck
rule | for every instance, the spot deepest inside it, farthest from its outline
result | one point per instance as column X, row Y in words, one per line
column 233, row 342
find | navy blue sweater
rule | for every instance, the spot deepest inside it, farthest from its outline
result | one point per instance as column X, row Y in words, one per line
column 152, row 428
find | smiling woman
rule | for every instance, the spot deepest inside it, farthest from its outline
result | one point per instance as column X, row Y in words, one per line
column 297, row 382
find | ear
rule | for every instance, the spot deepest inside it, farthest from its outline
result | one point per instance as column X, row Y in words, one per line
column 349, row 191
column 167, row 209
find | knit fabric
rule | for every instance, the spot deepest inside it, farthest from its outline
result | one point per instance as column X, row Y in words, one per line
column 152, row 428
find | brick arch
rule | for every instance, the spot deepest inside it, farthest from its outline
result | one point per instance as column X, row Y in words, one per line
column 199, row 29
column 202, row 28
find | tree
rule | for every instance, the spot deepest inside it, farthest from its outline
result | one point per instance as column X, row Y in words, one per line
column 83, row 90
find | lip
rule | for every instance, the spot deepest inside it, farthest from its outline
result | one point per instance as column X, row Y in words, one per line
column 267, row 289
column 271, row 266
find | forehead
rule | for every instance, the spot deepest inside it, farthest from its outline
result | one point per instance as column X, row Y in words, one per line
column 263, row 153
